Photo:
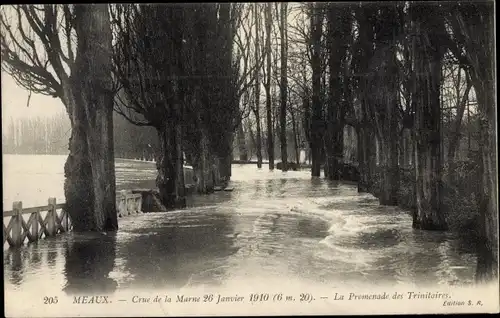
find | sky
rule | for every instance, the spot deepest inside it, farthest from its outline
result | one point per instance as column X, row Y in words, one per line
column 15, row 98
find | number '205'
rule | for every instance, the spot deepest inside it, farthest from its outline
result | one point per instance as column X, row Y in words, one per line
column 50, row 300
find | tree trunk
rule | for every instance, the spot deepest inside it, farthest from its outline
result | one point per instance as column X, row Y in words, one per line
column 317, row 108
column 78, row 175
column 269, row 116
column 480, row 52
column 283, row 87
column 258, row 141
column 487, row 265
column 295, row 139
column 366, row 134
column 170, row 179
column 338, row 27
column 362, row 187
column 224, row 158
column 202, row 167
column 390, row 177
column 428, row 54
column 257, row 89
column 242, row 149
column 93, row 122
column 456, row 136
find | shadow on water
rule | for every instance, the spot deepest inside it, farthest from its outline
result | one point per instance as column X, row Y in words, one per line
column 169, row 252
column 19, row 260
column 14, row 257
column 89, row 260
column 287, row 226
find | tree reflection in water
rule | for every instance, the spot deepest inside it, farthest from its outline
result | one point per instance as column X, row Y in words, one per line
column 188, row 249
column 89, row 260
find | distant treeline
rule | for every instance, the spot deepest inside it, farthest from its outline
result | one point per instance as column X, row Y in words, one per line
column 50, row 135
column 38, row 135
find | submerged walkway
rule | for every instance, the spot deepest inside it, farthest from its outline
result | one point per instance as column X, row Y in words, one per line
column 274, row 227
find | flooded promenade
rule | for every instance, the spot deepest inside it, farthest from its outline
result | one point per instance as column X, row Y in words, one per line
column 273, row 227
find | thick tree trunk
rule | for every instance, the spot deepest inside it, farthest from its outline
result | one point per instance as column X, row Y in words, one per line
column 338, row 27
column 224, row 158
column 91, row 144
column 428, row 214
column 473, row 24
column 390, row 177
column 170, row 179
column 78, row 182
column 317, row 108
column 487, row 265
column 366, row 134
column 202, row 167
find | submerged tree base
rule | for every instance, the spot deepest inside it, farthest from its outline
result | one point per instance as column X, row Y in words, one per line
column 430, row 225
column 487, row 262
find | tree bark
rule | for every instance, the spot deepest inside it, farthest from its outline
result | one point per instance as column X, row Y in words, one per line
column 78, row 182
column 338, row 27
column 480, row 48
column 317, row 122
column 362, row 161
column 202, row 165
column 258, row 140
column 283, row 87
column 267, row 86
column 257, row 88
column 390, row 177
column 170, row 179
column 92, row 112
column 295, row 139
column 428, row 54
column 487, row 265
column 364, row 15
column 242, row 148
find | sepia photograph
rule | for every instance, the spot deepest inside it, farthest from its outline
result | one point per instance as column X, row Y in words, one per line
column 249, row 158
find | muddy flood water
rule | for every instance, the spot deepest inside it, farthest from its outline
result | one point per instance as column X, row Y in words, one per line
column 274, row 227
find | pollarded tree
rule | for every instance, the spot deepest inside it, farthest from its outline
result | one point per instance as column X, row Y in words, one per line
column 316, row 15
column 473, row 29
column 385, row 114
column 339, row 27
column 64, row 51
column 365, row 17
column 428, row 34
column 148, row 67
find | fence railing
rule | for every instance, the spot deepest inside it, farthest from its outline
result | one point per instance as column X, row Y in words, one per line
column 52, row 219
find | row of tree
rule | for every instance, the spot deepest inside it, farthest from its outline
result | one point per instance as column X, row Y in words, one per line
column 65, row 51
column 379, row 68
column 173, row 67
column 50, row 134
column 195, row 73
column 40, row 135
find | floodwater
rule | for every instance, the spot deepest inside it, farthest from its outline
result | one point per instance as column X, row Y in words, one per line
column 273, row 227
